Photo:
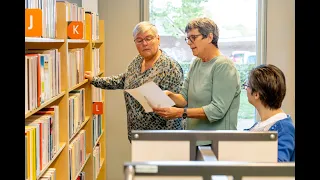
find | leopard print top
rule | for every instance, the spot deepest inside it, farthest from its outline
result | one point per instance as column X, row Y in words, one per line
column 166, row 73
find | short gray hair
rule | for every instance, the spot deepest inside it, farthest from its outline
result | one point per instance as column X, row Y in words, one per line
column 144, row 26
column 205, row 27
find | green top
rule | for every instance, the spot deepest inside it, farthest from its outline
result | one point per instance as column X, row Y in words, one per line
column 215, row 86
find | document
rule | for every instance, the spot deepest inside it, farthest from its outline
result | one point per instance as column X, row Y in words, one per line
column 151, row 95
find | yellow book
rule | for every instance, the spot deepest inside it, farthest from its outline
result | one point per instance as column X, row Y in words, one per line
column 32, row 144
column 27, row 133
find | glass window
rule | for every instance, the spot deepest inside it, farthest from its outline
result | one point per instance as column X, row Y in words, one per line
column 237, row 21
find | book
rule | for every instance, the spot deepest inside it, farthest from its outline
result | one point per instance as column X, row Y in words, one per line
column 150, row 95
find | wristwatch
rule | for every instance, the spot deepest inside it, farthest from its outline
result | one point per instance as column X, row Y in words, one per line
column 184, row 115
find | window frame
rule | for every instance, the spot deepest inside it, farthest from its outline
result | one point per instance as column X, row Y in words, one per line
column 261, row 37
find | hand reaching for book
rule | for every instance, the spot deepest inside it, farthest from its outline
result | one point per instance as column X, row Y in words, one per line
column 88, row 75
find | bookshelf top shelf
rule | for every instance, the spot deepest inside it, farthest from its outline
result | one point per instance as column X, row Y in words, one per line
column 42, row 40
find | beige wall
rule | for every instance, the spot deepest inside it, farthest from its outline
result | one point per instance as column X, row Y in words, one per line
column 280, row 45
column 120, row 17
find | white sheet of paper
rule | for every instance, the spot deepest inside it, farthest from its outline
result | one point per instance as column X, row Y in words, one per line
column 151, row 95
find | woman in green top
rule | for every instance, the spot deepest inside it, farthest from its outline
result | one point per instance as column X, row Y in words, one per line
column 210, row 96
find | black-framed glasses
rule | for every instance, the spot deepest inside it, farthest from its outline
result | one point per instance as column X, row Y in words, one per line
column 245, row 85
column 192, row 38
column 147, row 39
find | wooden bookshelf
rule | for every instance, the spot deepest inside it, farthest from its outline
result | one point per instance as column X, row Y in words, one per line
column 61, row 160
column 42, row 40
column 81, row 126
column 100, row 73
column 62, row 146
column 53, row 99
column 78, row 85
column 77, row 41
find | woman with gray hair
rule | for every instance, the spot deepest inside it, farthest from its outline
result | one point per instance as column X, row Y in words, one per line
column 151, row 64
column 210, row 96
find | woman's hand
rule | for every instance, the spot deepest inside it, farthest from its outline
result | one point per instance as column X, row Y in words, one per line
column 169, row 113
column 88, row 75
column 168, row 93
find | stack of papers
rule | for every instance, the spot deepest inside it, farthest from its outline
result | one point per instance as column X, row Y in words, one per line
column 151, row 95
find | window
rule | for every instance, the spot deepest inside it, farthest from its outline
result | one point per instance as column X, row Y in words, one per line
column 237, row 21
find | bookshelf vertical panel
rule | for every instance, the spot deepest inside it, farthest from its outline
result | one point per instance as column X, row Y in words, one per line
column 64, row 119
column 61, row 20
column 102, row 173
column 88, row 129
column 87, row 67
column 101, row 38
column 88, row 27
column 88, row 169
column 62, row 164
column 63, row 67
column 62, row 33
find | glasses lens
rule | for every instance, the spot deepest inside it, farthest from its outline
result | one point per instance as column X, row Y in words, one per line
column 138, row 41
column 147, row 39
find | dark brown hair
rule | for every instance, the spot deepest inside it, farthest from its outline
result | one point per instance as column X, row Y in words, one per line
column 269, row 81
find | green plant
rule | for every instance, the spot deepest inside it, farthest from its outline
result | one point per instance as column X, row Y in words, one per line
column 244, row 70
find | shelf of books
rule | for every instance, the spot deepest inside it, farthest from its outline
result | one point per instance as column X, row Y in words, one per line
column 64, row 120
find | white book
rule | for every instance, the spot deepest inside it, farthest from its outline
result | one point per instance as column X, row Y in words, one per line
column 26, row 94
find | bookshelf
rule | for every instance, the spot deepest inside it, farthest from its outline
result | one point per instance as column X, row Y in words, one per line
column 72, row 141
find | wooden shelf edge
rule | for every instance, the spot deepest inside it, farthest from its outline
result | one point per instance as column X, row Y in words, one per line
column 101, row 163
column 97, row 44
column 97, row 41
column 87, row 118
column 76, row 41
column 85, row 162
column 42, row 40
column 100, row 73
column 97, row 141
column 78, row 85
column 62, row 145
column 45, row 104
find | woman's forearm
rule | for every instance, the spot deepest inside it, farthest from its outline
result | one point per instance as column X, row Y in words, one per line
column 178, row 100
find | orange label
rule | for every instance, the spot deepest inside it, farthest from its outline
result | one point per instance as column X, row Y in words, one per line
column 75, row 30
column 33, row 22
column 97, row 108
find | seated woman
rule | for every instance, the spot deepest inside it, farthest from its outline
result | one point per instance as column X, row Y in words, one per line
column 266, row 89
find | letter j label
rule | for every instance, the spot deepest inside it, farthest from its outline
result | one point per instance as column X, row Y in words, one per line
column 33, row 22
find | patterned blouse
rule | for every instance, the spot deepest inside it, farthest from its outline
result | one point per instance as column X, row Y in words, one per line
column 166, row 73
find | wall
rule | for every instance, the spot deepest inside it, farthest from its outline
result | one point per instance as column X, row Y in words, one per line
column 280, row 45
column 78, row 2
column 120, row 18
column 90, row 5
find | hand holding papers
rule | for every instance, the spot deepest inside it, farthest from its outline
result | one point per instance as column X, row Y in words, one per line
column 150, row 95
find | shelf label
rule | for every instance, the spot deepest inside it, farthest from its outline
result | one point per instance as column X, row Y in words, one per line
column 33, row 22
column 97, row 108
column 75, row 30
